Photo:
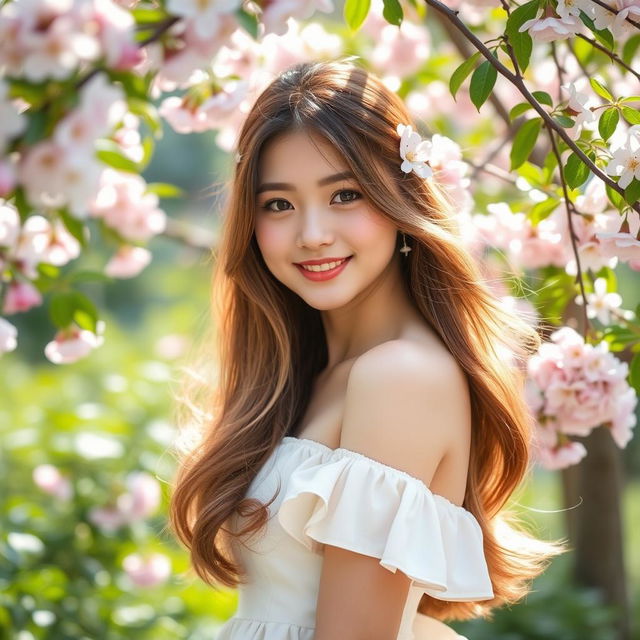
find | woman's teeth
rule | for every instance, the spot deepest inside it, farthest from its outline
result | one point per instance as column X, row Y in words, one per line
column 325, row 266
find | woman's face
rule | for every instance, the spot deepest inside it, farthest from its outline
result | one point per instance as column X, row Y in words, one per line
column 304, row 212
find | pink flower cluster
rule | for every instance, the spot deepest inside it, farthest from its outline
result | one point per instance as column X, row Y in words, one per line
column 572, row 388
column 140, row 500
column 599, row 235
column 50, row 480
column 147, row 570
column 42, row 39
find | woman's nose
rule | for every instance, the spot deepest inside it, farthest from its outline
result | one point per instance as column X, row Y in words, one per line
column 315, row 229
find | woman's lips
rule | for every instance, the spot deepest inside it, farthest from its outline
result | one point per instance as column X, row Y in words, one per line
column 323, row 275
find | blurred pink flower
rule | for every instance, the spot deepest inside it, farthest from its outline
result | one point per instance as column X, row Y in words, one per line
column 9, row 224
column 276, row 13
column 128, row 262
column 401, row 51
column 142, row 498
column 74, row 343
column 560, row 457
column 147, row 571
column 123, row 203
column 51, row 481
column 7, row 178
column 577, row 387
column 21, row 296
column 551, row 28
column 8, row 336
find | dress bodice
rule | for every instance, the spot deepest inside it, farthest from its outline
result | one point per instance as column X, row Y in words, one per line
column 343, row 498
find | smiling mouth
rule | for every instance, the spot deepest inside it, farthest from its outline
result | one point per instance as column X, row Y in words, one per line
column 324, row 266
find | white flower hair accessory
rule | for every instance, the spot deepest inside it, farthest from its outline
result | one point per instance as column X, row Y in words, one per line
column 414, row 151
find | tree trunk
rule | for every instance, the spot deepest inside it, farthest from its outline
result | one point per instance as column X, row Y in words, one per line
column 594, row 526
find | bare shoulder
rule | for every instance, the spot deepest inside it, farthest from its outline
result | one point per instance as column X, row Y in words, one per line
column 406, row 405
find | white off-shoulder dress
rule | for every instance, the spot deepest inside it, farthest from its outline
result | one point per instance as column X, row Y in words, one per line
column 343, row 498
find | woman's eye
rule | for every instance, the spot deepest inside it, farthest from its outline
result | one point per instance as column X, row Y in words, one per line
column 351, row 193
column 267, row 205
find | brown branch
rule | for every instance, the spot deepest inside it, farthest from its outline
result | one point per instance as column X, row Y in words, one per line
column 613, row 56
column 612, row 10
column 518, row 82
column 572, row 235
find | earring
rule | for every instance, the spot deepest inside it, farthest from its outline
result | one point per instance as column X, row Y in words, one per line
column 405, row 248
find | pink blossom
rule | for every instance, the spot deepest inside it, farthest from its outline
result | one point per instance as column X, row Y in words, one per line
column 21, row 296
column 551, row 28
column 627, row 10
column 8, row 336
column 108, row 518
column 601, row 303
column 12, row 122
column 27, row 251
column 128, row 262
column 276, row 13
column 238, row 57
column 402, row 50
column 128, row 137
column 149, row 571
column 123, row 203
column 72, row 344
column 561, row 457
column 9, row 224
column 142, row 497
column 204, row 15
column 140, row 500
column 7, row 178
column 577, row 387
column 622, row 245
column 51, row 481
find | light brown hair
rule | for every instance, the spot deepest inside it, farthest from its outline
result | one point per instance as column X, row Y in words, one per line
column 270, row 344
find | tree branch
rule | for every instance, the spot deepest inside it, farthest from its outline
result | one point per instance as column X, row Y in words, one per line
column 518, row 82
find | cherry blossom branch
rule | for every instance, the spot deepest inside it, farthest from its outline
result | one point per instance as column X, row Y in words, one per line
column 612, row 10
column 611, row 54
column 518, row 81
column 572, row 235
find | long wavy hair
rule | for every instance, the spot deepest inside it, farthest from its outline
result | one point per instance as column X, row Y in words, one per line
column 268, row 344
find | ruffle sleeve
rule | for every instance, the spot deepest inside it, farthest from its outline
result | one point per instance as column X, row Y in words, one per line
column 363, row 505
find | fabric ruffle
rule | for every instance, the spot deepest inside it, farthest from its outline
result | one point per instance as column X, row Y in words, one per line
column 363, row 505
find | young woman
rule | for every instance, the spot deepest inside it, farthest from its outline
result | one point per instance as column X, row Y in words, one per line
column 368, row 423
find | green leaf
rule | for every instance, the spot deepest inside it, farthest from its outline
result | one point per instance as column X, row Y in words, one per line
column 72, row 306
column 248, row 21
column 630, row 48
column 482, row 82
column 601, row 90
column 50, row 271
column 524, row 142
column 61, row 309
column 632, row 116
column 392, row 12
column 146, row 15
column 608, row 122
column 460, row 74
column 576, row 171
column 564, row 121
column 630, row 99
column 165, row 190
column 75, row 227
column 603, row 36
column 531, row 173
column 542, row 210
column 110, row 153
column 87, row 275
column 148, row 113
column 543, row 97
column 519, row 109
column 614, row 197
column 147, row 152
column 634, row 372
column 520, row 40
column 632, row 192
column 355, row 12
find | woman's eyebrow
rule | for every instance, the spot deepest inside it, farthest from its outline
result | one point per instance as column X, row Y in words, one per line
column 285, row 186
